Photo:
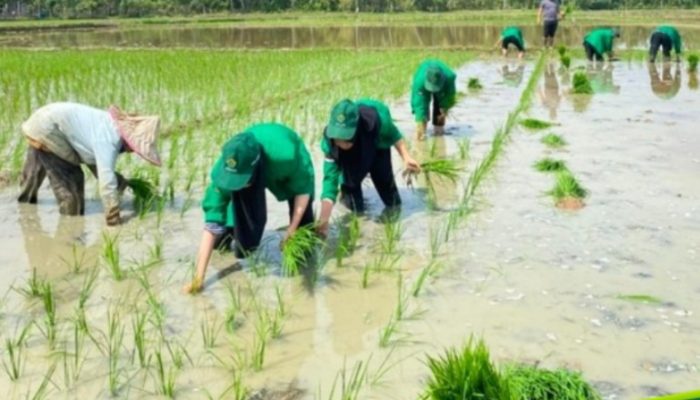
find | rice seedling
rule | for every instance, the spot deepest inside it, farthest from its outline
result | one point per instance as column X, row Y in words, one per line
column 156, row 250
column 41, row 391
column 535, row 124
column 49, row 321
column 565, row 61
column 392, row 233
column 110, row 255
column 237, row 390
column 463, row 147
column 115, row 337
column 436, row 241
column 33, row 287
column 581, row 83
column 297, row 249
column 87, row 288
column 640, row 298
column 166, row 378
column 561, row 49
column 138, row 327
column 553, row 141
column 444, row 168
column 75, row 265
column 259, row 346
column 13, row 358
column 531, row 383
column 279, row 296
column 693, row 63
column 550, row 165
column 567, row 186
column 209, row 328
column 427, row 271
column 351, row 382
column 387, row 333
column 465, row 373
column 234, row 307
column 474, row 84
column 74, row 361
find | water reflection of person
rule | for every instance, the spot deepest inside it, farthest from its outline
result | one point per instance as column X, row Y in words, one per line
column 549, row 92
column 666, row 85
column 513, row 75
column 601, row 78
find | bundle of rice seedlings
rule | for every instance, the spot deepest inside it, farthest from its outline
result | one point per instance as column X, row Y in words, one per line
column 567, row 186
column 581, row 84
column 297, row 249
column 565, row 61
column 531, row 383
column 442, row 168
column 474, row 84
column 550, row 165
column 466, row 373
column 535, row 124
column 553, row 141
column 693, row 63
column 562, row 50
column 144, row 192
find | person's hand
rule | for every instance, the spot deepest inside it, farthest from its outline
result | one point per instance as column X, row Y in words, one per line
column 287, row 235
column 322, row 229
column 411, row 165
column 193, row 287
column 112, row 218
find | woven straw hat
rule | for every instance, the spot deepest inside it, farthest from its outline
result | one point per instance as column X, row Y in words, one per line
column 139, row 132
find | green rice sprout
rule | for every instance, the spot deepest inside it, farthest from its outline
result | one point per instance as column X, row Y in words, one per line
column 426, row 272
column 34, row 286
column 550, row 165
column 463, row 146
column 138, row 327
column 581, row 83
column 298, row 248
column 466, row 373
column 76, row 264
column 567, row 186
column 145, row 193
column 532, row 383
column 565, row 61
column 392, row 234
column 553, row 141
column 535, row 124
column 641, row 298
column 209, row 328
column 387, row 333
column 350, row 382
column 41, row 390
column 561, row 49
column 13, row 358
column 49, row 321
column 115, row 337
column 693, row 63
column 234, row 307
column 86, row 288
column 73, row 362
column 279, row 296
column 474, row 84
column 443, row 168
column 110, row 255
column 166, row 378
column 259, row 345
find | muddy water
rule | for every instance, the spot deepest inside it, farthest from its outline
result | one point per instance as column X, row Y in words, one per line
column 474, row 37
column 539, row 284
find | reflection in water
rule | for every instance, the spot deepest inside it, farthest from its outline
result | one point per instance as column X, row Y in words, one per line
column 601, row 77
column 693, row 81
column 549, row 92
column 513, row 74
column 666, row 85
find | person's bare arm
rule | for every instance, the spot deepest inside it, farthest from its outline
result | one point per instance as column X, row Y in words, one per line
column 409, row 163
column 300, row 204
column 206, row 247
column 324, row 217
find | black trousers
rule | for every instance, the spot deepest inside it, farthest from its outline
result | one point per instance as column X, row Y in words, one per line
column 437, row 121
column 66, row 179
column 382, row 175
column 660, row 39
column 591, row 53
column 250, row 211
column 550, row 28
column 511, row 40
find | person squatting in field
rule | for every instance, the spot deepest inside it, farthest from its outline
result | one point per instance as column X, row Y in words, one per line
column 667, row 38
column 599, row 42
column 264, row 156
column 63, row 136
column 512, row 35
column 433, row 82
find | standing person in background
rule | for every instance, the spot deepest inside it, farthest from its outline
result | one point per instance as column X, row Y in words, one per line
column 549, row 15
column 433, row 82
column 512, row 35
column 599, row 42
column 666, row 37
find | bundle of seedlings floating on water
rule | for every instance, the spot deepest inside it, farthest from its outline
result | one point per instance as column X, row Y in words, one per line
column 693, row 63
column 553, row 141
column 535, row 124
column 567, row 192
column 581, row 84
column 550, row 165
column 531, row 383
column 145, row 193
column 474, row 84
column 298, row 249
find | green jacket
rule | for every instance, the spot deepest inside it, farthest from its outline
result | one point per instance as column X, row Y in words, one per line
column 388, row 135
column 515, row 33
column 420, row 98
column 288, row 170
column 601, row 39
column 672, row 32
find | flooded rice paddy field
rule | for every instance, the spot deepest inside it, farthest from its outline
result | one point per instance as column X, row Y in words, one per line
column 539, row 284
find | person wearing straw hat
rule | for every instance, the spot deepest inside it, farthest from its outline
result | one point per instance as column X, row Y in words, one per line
column 357, row 142
column 63, row 136
column 433, row 82
column 268, row 155
column 667, row 38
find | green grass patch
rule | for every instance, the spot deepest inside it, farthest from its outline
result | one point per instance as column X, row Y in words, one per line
column 465, row 373
column 566, row 186
column 581, row 83
column 531, row 383
column 640, row 298
column 535, row 124
column 550, row 165
column 693, row 62
column 553, row 141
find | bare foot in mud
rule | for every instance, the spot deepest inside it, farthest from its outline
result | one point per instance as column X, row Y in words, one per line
column 570, row 203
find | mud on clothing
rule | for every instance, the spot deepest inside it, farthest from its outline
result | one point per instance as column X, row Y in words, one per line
column 512, row 35
column 598, row 42
column 420, row 97
column 370, row 154
column 285, row 169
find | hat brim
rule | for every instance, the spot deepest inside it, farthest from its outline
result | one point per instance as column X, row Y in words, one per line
column 229, row 181
column 341, row 133
column 431, row 87
column 138, row 132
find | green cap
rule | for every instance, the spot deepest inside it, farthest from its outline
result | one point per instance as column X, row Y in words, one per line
column 343, row 122
column 239, row 157
column 434, row 79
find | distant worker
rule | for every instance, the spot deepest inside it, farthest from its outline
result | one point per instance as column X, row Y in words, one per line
column 356, row 142
column 264, row 156
column 599, row 42
column 63, row 136
column 666, row 37
column 549, row 14
column 512, row 35
column 433, row 82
